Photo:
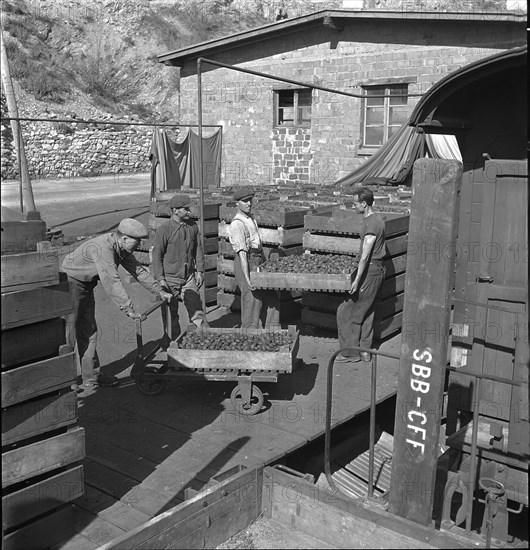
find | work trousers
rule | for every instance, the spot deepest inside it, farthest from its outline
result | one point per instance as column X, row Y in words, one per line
column 256, row 305
column 82, row 330
column 187, row 291
column 355, row 316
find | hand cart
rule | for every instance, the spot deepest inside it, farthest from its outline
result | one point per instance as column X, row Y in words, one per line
column 151, row 372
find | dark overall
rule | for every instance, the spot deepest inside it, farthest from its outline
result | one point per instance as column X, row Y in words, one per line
column 252, row 302
column 355, row 316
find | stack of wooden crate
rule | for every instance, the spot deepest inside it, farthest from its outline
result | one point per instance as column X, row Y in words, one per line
column 160, row 213
column 281, row 230
column 338, row 233
column 42, row 446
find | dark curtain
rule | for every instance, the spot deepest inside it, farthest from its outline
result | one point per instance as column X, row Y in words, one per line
column 176, row 165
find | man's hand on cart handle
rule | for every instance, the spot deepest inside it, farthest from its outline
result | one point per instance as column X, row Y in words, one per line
column 166, row 296
column 136, row 316
column 163, row 284
column 199, row 278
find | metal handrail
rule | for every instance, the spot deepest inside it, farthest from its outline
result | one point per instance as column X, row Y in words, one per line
column 329, row 391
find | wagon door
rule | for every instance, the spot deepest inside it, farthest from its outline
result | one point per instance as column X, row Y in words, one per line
column 495, row 326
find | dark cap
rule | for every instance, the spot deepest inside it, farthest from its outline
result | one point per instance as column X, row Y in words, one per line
column 133, row 228
column 179, row 201
column 243, row 193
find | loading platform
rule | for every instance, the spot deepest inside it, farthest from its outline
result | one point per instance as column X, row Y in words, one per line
column 145, row 455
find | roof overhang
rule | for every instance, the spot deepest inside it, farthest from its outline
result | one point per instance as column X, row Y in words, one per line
column 331, row 19
column 465, row 76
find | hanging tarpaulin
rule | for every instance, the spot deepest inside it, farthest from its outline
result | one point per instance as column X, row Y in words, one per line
column 175, row 164
column 392, row 162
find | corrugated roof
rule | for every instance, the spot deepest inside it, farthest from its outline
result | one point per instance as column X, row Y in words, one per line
column 329, row 18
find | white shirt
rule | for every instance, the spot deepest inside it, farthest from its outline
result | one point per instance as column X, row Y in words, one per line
column 243, row 233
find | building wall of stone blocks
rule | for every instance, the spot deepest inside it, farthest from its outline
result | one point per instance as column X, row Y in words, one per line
column 365, row 52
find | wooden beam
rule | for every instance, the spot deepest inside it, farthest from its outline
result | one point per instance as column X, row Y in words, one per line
column 425, row 334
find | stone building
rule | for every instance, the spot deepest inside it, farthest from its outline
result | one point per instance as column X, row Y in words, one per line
column 276, row 131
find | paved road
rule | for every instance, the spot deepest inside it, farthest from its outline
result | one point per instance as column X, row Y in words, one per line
column 85, row 206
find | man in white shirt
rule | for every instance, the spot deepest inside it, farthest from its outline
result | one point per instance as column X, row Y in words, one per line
column 246, row 242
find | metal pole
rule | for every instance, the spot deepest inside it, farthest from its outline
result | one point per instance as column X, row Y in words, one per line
column 200, row 174
column 473, row 458
column 372, row 428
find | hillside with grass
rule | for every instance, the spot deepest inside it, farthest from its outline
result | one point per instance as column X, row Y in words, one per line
column 94, row 58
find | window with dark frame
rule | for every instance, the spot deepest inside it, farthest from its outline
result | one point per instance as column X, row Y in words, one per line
column 383, row 116
column 293, row 108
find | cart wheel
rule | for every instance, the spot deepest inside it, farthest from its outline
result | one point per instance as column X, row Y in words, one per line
column 256, row 401
column 150, row 386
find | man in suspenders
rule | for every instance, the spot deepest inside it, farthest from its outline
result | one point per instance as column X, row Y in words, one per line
column 246, row 242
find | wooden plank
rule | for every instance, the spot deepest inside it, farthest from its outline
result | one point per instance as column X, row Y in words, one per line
column 279, row 236
column 41, row 497
column 332, row 244
column 210, row 278
column 161, row 209
column 210, row 262
column 21, row 236
column 29, row 381
column 331, row 282
column 29, row 270
column 210, row 226
column 43, row 533
column 436, row 185
column 31, row 306
column 38, row 416
column 206, row 520
column 210, row 294
column 299, row 504
column 44, row 456
column 210, row 245
column 29, row 343
column 226, row 282
column 195, row 359
column 225, row 265
column 228, row 300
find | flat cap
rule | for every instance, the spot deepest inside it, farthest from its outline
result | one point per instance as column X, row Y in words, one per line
column 133, row 228
column 243, row 193
column 179, row 201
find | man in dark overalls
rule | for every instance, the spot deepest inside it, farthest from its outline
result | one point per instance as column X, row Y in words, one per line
column 355, row 316
column 246, row 242
column 178, row 263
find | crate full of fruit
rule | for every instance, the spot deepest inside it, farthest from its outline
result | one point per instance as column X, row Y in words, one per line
column 317, row 272
column 235, row 349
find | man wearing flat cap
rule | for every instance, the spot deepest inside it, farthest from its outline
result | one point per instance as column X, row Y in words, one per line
column 97, row 260
column 178, row 263
column 246, row 242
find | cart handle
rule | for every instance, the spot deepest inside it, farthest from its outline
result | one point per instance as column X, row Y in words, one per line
column 166, row 320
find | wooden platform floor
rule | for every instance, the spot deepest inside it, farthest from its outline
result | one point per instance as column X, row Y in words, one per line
column 142, row 453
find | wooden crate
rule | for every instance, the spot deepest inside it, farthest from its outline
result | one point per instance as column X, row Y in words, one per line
column 38, row 304
column 278, row 236
column 210, row 226
column 29, row 270
column 28, row 381
column 327, row 282
column 283, row 215
column 35, row 459
column 21, row 236
column 161, row 209
column 38, row 416
column 29, row 343
column 245, row 361
column 226, row 249
column 348, row 222
column 335, row 244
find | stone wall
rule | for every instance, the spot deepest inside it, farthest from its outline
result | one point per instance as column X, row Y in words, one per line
column 58, row 149
column 366, row 51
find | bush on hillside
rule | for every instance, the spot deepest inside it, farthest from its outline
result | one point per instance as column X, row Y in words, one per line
column 107, row 70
